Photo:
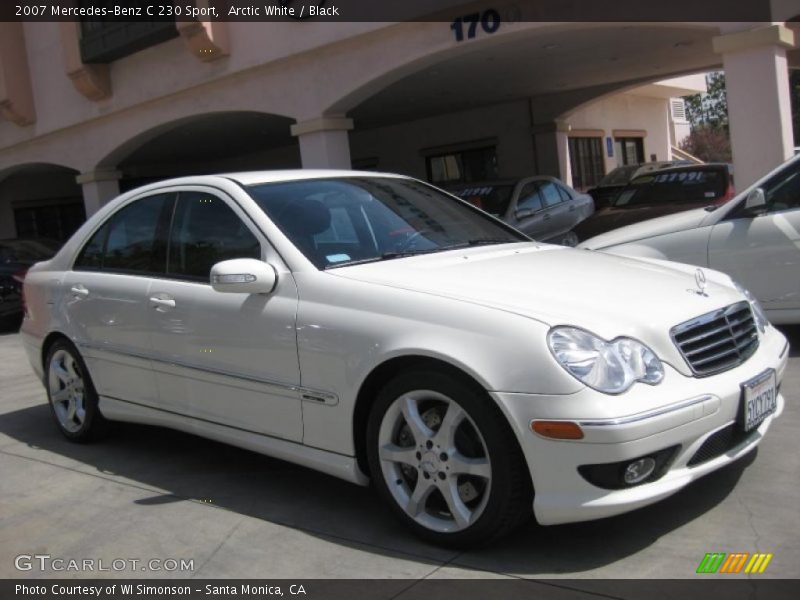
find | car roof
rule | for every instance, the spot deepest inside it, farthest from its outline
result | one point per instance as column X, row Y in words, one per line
column 495, row 182
column 258, row 177
column 681, row 168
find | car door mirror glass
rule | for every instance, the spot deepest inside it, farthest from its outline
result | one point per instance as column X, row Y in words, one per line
column 243, row 276
column 755, row 199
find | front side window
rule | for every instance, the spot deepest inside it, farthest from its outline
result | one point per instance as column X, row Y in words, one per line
column 132, row 240
column 389, row 218
column 529, row 197
column 782, row 192
column 205, row 231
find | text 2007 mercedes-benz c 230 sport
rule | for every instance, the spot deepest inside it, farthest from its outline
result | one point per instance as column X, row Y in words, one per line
column 375, row 328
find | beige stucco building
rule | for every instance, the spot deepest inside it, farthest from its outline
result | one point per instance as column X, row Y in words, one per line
column 83, row 118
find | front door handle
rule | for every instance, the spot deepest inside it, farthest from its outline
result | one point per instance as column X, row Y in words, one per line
column 162, row 302
column 79, row 290
column 572, row 208
column 546, row 216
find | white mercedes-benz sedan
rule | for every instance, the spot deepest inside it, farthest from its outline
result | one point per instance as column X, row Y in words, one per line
column 375, row 328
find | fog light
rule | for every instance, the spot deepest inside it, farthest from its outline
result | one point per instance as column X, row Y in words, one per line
column 639, row 470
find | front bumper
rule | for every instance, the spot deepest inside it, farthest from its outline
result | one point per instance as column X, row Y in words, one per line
column 681, row 411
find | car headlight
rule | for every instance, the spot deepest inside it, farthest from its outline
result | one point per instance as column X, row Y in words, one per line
column 610, row 367
column 761, row 317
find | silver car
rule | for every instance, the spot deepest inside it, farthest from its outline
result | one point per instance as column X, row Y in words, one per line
column 542, row 207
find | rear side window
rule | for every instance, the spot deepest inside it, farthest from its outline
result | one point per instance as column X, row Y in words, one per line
column 132, row 240
column 205, row 231
column 674, row 187
column 550, row 193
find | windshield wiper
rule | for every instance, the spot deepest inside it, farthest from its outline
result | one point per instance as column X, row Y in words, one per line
column 385, row 256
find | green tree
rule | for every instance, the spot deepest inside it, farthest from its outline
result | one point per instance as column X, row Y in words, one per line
column 710, row 108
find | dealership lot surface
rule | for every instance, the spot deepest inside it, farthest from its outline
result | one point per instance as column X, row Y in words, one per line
column 148, row 493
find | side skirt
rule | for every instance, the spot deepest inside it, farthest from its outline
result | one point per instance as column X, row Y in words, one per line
column 338, row 465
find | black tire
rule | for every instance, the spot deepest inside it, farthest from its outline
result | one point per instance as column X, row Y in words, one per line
column 94, row 425
column 510, row 494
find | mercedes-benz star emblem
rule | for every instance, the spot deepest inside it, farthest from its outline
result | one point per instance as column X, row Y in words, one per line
column 700, row 281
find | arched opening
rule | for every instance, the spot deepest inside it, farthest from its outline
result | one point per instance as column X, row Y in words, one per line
column 40, row 201
column 205, row 144
column 480, row 111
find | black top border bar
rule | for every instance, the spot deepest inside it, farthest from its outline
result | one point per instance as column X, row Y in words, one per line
column 391, row 10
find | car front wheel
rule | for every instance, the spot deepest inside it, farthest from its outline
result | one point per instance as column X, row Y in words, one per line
column 444, row 457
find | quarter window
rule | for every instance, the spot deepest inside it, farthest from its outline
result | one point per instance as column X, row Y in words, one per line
column 205, row 231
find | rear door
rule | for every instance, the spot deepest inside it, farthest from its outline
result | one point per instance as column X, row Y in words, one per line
column 105, row 298
column 556, row 209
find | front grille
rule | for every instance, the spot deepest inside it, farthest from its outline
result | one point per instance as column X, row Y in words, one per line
column 719, row 340
column 720, row 442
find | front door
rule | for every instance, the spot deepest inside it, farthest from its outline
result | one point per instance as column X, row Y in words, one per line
column 763, row 251
column 229, row 358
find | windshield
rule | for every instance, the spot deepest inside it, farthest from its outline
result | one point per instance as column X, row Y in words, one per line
column 674, row 187
column 336, row 222
column 494, row 199
column 619, row 176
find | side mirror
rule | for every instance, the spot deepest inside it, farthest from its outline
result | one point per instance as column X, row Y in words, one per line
column 243, row 276
column 755, row 199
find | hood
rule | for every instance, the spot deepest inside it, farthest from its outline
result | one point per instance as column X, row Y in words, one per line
column 649, row 229
column 609, row 295
column 614, row 218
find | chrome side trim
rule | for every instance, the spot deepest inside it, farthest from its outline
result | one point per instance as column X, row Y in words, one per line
column 305, row 393
column 642, row 416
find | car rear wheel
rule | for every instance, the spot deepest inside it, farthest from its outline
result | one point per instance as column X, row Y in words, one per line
column 446, row 460
column 72, row 396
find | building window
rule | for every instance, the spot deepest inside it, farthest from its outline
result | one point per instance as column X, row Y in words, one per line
column 104, row 40
column 462, row 166
column 586, row 161
column 630, row 150
column 55, row 221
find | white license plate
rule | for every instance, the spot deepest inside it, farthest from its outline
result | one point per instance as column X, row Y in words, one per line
column 759, row 399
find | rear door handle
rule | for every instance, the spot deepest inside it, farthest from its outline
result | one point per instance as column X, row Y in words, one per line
column 546, row 216
column 79, row 290
column 572, row 208
column 162, row 302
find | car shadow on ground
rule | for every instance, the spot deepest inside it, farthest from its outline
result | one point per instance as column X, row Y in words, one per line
column 180, row 467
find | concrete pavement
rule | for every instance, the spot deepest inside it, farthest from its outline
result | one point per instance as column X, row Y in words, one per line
column 152, row 493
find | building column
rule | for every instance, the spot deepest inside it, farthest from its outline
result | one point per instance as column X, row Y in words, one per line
column 759, row 111
column 98, row 188
column 324, row 142
column 551, row 144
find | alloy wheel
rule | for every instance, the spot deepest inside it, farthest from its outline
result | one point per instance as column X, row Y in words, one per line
column 67, row 391
column 434, row 461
